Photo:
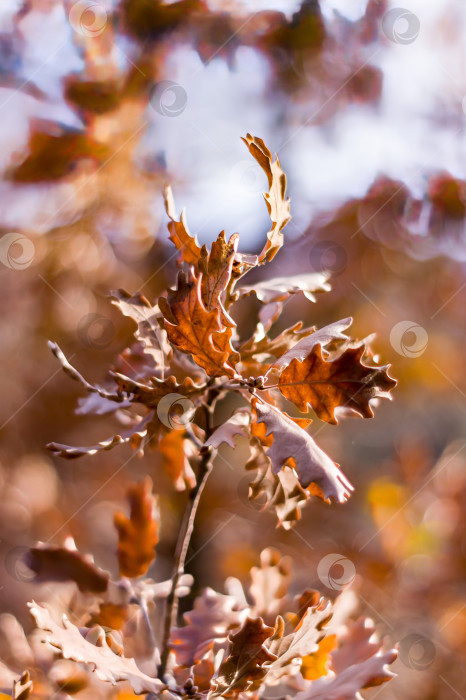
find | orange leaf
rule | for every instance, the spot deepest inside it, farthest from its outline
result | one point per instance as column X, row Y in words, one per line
column 138, row 534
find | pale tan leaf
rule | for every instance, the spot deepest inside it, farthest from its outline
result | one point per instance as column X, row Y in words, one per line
column 226, row 433
column 312, row 464
column 277, row 203
column 281, row 288
column 108, row 666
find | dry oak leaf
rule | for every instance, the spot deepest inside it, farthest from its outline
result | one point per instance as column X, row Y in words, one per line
column 277, row 203
column 312, row 464
column 150, row 394
column 53, row 563
column 270, row 583
column 304, row 640
column 341, row 382
column 108, row 666
column 216, row 268
column 257, row 352
column 174, row 449
column 210, row 620
column 23, row 687
column 226, row 433
column 315, row 665
column 151, row 335
column 280, row 288
column 138, row 534
column 242, row 670
column 281, row 491
column 187, row 244
column 133, row 436
column 194, row 330
column 328, row 335
column 346, row 685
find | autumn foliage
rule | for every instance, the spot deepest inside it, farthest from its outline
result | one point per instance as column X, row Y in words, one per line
column 188, row 356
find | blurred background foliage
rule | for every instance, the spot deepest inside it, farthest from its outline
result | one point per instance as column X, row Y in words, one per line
column 100, row 107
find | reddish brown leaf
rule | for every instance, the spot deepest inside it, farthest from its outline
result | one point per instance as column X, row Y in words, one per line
column 187, row 244
column 138, row 534
column 342, row 382
column 194, row 330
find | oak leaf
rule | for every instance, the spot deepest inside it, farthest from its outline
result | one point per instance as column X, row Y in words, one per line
column 270, row 583
column 23, row 687
column 247, row 660
column 108, row 666
column 304, row 639
column 277, row 203
column 52, row 563
column 138, row 534
column 226, row 433
column 344, row 381
column 210, row 620
column 174, row 449
column 312, row 464
column 187, row 244
column 333, row 333
column 281, row 288
column 195, row 330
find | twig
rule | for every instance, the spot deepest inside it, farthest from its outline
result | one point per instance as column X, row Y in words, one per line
column 186, row 531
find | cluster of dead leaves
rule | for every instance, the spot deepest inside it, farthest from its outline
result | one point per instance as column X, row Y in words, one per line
column 240, row 643
column 187, row 344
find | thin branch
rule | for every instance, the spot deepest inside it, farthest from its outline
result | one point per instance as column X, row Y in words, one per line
column 186, row 531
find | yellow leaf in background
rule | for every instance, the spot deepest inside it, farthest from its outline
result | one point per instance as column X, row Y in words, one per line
column 315, row 665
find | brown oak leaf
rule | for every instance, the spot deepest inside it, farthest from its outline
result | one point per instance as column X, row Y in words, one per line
column 341, row 382
column 52, row 563
column 312, row 464
column 195, row 330
column 247, row 660
column 138, row 534
column 277, row 203
column 187, row 244
column 331, row 334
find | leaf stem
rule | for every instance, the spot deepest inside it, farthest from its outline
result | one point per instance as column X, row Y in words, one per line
column 186, row 531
